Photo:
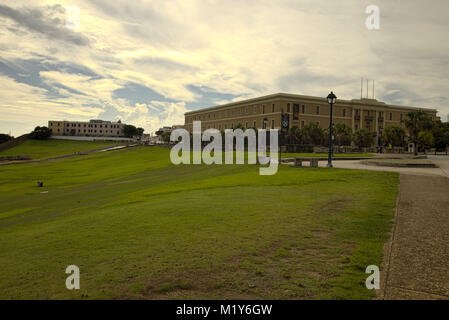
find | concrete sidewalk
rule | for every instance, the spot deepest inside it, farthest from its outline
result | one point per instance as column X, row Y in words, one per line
column 417, row 262
column 442, row 170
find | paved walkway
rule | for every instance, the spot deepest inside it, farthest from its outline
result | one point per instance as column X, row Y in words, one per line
column 442, row 170
column 417, row 264
column 417, row 257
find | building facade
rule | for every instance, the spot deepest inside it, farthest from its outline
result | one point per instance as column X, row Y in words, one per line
column 92, row 128
column 265, row 113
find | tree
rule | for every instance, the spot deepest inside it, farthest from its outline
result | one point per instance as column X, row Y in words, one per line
column 313, row 134
column 4, row 137
column 294, row 135
column 363, row 138
column 343, row 134
column 140, row 131
column 394, row 135
column 440, row 132
column 425, row 139
column 40, row 133
column 165, row 136
column 415, row 122
column 129, row 131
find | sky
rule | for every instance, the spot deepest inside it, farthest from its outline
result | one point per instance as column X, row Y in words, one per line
column 148, row 62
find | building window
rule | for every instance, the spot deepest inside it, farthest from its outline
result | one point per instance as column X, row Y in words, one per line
column 272, row 107
column 302, row 123
column 254, row 124
column 232, row 125
column 263, row 108
column 295, row 111
column 391, row 116
column 246, row 124
column 317, row 109
column 272, row 124
column 303, row 109
column 401, row 116
column 288, row 107
column 246, row 110
column 255, row 109
column 344, row 112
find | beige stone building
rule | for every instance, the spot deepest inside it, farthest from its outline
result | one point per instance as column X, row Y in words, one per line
column 265, row 113
column 93, row 128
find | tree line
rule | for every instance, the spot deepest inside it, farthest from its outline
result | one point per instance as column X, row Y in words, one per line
column 418, row 128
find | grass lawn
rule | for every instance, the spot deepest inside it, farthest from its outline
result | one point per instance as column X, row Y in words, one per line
column 139, row 227
column 39, row 149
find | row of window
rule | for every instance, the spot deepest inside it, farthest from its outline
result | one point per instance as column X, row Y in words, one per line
column 113, row 126
column 247, row 110
column 253, row 124
column 90, row 130
column 296, row 109
column 231, row 113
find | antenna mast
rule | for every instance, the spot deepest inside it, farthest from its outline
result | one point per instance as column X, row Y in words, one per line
column 361, row 89
column 367, row 92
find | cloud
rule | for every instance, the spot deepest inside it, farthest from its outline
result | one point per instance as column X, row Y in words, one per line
column 48, row 21
column 147, row 62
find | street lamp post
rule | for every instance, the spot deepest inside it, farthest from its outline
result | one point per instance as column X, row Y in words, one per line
column 331, row 98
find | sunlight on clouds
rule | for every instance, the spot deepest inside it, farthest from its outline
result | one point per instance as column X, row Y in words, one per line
column 237, row 49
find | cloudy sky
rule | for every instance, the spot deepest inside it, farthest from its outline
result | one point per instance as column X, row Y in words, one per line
column 148, row 62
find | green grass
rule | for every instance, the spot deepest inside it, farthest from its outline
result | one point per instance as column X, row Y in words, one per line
column 39, row 149
column 141, row 228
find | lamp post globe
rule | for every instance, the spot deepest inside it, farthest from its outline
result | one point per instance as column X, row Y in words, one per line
column 331, row 99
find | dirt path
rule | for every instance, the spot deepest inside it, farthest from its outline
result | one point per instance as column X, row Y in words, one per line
column 417, row 264
column 109, row 148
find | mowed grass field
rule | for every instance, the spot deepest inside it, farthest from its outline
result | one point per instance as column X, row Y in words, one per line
column 139, row 227
column 41, row 149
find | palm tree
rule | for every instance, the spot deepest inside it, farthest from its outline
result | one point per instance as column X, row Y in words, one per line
column 363, row 138
column 343, row 134
column 294, row 135
column 415, row 122
column 394, row 135
column 313, row 134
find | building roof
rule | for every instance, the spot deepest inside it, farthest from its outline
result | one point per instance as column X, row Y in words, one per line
column 280, row 95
